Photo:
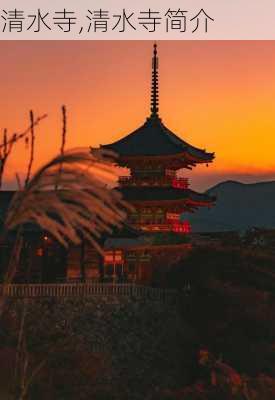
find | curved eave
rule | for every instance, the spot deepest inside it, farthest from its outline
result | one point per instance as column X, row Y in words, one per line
column 166, row 196
column 173, row 161
column 184, row 157
column 182, row 204
column 153, row 139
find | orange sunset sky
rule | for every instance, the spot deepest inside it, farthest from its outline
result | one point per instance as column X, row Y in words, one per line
column 217, row 95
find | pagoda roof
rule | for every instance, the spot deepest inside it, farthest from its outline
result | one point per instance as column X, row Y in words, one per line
column 150, row 194
column 153, row 138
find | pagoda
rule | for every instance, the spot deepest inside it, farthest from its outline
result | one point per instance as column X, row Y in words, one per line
column 154, row 154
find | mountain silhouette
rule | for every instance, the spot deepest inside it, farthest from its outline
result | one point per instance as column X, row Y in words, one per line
column 238, row 207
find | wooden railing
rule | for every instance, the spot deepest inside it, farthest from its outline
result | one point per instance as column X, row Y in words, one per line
column 86, row 290
column 180, row 183
column 178, row 227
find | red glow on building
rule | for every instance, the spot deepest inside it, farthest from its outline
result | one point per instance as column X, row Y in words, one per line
column 180, row 183
column 181, row 227
column 113, row 257
column 172, row 217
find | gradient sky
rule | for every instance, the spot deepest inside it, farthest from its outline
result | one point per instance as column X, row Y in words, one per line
column 216, row 95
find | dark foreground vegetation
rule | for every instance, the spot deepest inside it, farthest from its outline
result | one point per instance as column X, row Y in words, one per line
column 217, row 343
column 229, row 301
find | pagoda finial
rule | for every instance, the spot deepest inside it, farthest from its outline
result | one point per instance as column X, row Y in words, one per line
column 154, row 88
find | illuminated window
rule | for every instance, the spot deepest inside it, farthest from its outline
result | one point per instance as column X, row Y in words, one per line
column 118, row 257
column 39, row 252
column 108, row 257
column 113, row 257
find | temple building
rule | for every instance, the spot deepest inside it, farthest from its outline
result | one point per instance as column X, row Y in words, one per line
column 161, row 200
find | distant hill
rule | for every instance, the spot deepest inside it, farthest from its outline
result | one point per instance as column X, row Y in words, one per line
column 239, row 206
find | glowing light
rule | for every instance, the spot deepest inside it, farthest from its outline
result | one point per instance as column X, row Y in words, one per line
column 39, row 252
column 113, row 257
column 182, row 227
column 172, row 217
column 180, row 183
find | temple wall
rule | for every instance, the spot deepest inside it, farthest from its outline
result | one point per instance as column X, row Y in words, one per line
column 137, row 265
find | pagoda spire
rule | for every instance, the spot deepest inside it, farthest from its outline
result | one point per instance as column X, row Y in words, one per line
column 154, row 87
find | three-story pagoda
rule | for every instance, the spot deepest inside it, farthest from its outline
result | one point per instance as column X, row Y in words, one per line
column 154, row 154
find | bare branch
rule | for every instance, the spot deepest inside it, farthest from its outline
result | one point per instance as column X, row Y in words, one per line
column 64, row 130
column 32, row 149
column 7, row 144
column 18, row 136
column 63, row 141
column 5, row 151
